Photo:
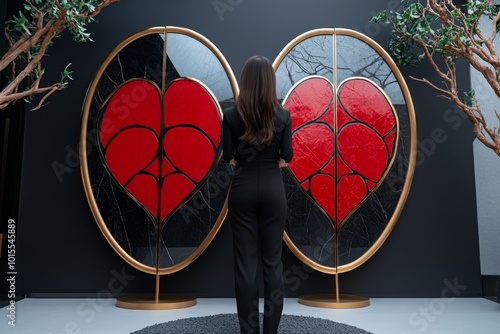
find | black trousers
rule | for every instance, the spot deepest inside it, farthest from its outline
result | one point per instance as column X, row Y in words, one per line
column 257, row 212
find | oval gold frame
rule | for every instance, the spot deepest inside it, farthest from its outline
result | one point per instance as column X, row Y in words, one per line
column 83, row 146
column 413, row 143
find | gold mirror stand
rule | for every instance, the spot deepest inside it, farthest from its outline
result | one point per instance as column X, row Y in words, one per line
column 156, row 302
column 335, row 300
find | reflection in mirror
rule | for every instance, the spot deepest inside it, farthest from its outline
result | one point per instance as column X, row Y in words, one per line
column 190, row 58
column 312, row 56
column 355, row 58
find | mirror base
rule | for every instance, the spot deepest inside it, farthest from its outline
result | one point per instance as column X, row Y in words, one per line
column 331, row 301
column 148, row 302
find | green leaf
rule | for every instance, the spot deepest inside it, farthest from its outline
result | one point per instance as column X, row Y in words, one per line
column 66, row 73
column 469, row 98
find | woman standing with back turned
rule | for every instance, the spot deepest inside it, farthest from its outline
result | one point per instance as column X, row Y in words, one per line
column 257, row 143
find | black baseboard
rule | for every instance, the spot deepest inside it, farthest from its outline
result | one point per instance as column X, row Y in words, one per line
column 7, row 302
column 491, row 288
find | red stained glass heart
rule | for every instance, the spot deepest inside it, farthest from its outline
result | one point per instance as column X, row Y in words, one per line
column 343, row 151
column 160, row 148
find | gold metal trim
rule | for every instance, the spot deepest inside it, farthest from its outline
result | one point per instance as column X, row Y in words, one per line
column 83, row 149
column 413, row 144
column 148, row 302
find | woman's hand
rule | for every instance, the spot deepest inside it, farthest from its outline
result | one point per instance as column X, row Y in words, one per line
column 233, row 162
column 282, row 163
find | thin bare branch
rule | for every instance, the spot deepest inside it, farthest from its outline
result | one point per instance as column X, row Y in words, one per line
column 54, row 88
column 445, row 92
column 494, row 23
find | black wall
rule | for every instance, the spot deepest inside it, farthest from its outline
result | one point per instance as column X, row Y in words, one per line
column 62, row 252
column 11, row 145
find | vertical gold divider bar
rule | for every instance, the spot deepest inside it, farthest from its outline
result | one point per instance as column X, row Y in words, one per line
column 164, row 65
column 335, row 145
column 158, row 217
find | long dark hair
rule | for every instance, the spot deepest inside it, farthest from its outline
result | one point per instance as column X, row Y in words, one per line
column 257, row 101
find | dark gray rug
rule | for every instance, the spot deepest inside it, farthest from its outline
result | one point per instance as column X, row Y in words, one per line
column 228, row 324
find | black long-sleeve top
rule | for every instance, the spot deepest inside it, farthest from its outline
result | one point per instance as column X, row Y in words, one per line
column 245, row 153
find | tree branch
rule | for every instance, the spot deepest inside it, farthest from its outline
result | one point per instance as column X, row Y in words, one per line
column 52, row 90
column 53, row 31
column 100, row 7
column 458, row 37
column 29, row 92
column 29, row 40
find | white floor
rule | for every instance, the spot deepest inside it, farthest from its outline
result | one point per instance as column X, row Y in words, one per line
column 383, row 316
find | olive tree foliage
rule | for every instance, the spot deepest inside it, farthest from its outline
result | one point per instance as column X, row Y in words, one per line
column 440, row 32
column 29, row 34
